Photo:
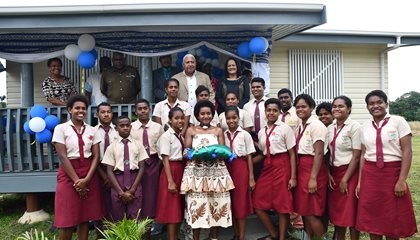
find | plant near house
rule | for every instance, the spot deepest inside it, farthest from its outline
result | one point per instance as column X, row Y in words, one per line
column 33, row 235
column 126, row 229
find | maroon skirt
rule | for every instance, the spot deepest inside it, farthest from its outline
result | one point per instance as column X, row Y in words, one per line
column 271, row 189
column 379, row 210
column 69, row 209
column 342, row 208
column 240, row 195
column 307, row 204
column 150, row 185
column 170, row 206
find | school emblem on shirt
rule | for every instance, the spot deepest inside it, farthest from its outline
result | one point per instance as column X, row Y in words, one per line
column 91, row 137
column 392, row 135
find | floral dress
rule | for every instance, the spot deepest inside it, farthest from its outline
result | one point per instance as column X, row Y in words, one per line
column 206, row 186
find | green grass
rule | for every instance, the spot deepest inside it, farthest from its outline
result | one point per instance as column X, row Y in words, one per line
column 12, row 206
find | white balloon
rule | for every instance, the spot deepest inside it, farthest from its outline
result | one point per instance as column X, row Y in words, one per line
column 202, row 59
column 37, row 124
column 199, row 52
column 266, row 44
column 86, row 42
column 215, row 62
column 72, row 52
column 208, row 60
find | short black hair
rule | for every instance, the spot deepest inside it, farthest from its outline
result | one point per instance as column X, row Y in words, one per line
column 283, row 91
column 307, row 98
column 272, row 101
column 346, row 100
column 122, row 117
column 201, row 104
column 174, row 110
column 164, row 56
column 377, row 93
column 171, row 80
column 103, row 104
column 141, row 100
column 232, row 109
column 324, row 105
column 200, row 89
column 77, row 98
column 54, row 59
column 232, row 92
column 258, row 79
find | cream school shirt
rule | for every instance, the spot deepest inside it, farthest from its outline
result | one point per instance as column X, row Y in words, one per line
column 154, row 131
column 214, row 121
column 162, row 109
column 113, row 135
column 347, row 140
column 64, row 134
column 314, row 131
column 170, row 145
column 281, row 139
column 114, row 155
column 250, row 108
column 291, row 118
column 245, row 120
column 243, row 144
column 396, row 128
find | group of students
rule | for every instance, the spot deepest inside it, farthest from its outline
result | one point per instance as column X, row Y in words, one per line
column 366, row 171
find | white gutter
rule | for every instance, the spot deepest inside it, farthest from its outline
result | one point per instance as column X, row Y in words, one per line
column 382, row 60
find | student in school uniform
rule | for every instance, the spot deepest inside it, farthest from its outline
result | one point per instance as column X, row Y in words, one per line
column 255, row 107
column 241, row 170
column 147, row 133
column 160, row 113
column 324, row 113
column 125, row 166
column 78, row 197
column 288, row 111
column 344, row 145
column 278, row 176
column 203, row 93
column 170, row 203
column 311, row 144
column 245, row 119
column 385, row 207
column 106, row 132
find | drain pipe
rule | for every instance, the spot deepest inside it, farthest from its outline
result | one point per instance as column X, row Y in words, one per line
column 382, row 60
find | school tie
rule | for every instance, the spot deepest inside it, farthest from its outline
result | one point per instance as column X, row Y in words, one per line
column 181, row 140
column 379, row 148
column 146, row 142
column 126, row 180
column 229, row 135
column 80, row 141
column 268, row 144
column 298, row 137
column 283, row 116
column 106, row 140
column 333, row 144
column 257, row 123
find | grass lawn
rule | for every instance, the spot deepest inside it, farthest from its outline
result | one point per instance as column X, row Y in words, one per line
column 13, row 206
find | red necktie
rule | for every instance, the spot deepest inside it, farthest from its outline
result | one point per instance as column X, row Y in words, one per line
column 333, row 143
column 146, row 143
column 379, row 149
column 267, row 143
column 231, row 139
column 283, row 116
column 180, row 138
column 80, row 141
column 298, row 137
column 106, row 142
column 257, row 116
column 126, row 177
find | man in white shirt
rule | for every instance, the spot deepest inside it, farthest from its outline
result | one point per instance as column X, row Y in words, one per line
column 93, row 83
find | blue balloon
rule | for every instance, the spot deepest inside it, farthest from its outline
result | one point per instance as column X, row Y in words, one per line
column 38, row 111
column 44, row 136
column 204, row 48
column 243, row 50
column 51, row 121
column 207, row 53
column 86, row 60
column 179, row 63
column 214, row 55
column 95, row 53
column 258, row 45
column 26, row 128
column 181, row 55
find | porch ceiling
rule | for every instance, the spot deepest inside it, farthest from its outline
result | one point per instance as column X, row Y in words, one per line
column 282, row 19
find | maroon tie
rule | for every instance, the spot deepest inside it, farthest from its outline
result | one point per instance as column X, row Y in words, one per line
column 267, row 143
column 379, row 149
column 283, row 116
column 231, row 139
column 298, row 137
column 257, row 116
column 333, row 143
column 126, row 179
column 80, row 141
column 106, row 142
column 146, row 139
column 181, row 140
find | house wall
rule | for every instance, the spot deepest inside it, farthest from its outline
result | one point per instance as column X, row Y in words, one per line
column 361, row 71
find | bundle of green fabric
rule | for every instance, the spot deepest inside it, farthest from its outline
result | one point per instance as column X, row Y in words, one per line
column 210, row 153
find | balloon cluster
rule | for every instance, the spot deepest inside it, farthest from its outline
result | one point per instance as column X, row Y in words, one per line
column 84, row 52
column 203, row 55
column 257, row 45
column 41, row 124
